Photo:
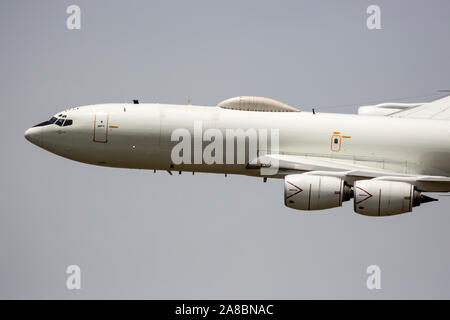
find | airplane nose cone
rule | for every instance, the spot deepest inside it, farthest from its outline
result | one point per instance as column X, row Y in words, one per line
column 34, row 135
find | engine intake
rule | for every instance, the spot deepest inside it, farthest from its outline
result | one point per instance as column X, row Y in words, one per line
column 309, row 192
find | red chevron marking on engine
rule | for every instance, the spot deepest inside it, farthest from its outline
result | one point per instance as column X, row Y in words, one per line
column 297, row 189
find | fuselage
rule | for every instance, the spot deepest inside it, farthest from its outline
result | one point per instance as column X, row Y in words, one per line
column 140, row 136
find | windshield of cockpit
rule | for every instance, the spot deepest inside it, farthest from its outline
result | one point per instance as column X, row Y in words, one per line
column 60, row 120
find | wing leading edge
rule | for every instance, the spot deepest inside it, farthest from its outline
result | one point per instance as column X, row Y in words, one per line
column 345, row 169
column 436, row 110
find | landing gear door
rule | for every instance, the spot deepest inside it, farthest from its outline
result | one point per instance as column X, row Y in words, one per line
column 101, row 120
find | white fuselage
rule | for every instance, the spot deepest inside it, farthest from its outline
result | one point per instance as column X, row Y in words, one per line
column 139, row 136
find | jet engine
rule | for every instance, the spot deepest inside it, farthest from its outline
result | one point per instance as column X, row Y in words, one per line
column 309, row 192
column 386, row 198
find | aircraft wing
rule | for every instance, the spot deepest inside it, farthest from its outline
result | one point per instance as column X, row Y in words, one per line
column 345, row 169
column 438, row 110
column 285, row 162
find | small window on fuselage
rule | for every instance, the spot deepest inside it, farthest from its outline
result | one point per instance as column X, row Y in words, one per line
column 59, row 122
column 68, row 122
column 52, row 120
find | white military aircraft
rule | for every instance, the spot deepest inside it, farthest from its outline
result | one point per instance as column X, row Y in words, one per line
column 384, row 157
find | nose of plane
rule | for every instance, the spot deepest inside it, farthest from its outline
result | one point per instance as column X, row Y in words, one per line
column 34, row 135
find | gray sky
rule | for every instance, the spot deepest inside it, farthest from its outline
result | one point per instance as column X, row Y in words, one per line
column 136, row 234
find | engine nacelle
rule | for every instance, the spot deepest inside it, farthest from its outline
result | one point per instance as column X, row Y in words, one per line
column 309, row 192
column 386, row 198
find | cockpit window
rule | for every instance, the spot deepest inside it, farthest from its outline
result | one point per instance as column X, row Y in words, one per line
column 45, row 123
column 58, row 121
